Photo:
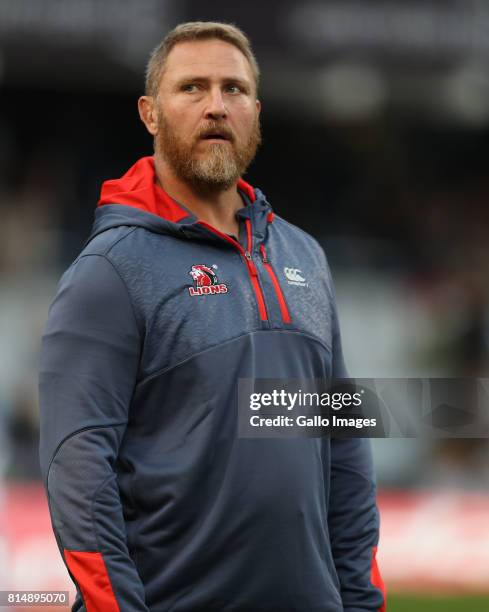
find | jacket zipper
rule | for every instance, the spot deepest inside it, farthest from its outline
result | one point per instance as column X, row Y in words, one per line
column 246, row 254
column 276, row 285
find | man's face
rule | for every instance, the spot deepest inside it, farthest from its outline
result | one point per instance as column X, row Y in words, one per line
column 208, row 115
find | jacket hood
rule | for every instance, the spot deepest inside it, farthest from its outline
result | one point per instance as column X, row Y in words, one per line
column 136, row 199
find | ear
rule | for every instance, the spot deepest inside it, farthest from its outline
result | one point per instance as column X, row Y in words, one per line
column 258, row 106
column 148, row 113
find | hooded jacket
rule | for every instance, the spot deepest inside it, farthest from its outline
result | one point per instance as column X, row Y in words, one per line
column 156, row 503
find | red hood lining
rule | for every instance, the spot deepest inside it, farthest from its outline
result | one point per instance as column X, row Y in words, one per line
column 137, row 188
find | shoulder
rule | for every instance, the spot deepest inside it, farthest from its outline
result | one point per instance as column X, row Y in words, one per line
column 106, row 241
column 300, row 238
column 95, row 271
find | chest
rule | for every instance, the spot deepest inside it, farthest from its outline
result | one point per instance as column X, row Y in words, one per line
column 191, row 296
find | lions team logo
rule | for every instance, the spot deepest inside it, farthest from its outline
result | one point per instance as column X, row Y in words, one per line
column 205, row 281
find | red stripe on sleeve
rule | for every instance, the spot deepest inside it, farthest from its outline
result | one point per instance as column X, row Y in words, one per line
column 376, row 578
column 90, row 573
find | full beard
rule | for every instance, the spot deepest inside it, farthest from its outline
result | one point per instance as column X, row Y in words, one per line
column 218, row 168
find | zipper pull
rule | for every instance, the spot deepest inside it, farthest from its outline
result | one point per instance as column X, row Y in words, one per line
column 263, row 254
column 250, row 263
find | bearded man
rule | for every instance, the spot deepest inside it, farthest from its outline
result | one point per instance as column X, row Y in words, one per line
column 156, row 502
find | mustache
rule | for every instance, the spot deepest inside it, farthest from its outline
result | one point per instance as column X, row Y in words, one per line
column 215, row 129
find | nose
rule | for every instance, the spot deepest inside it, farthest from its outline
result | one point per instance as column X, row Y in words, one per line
column 216, row 108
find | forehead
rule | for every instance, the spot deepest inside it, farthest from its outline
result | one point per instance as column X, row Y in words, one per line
column 206, row 58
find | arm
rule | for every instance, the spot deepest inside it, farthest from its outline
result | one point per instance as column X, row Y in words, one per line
column 89, row 362
column 353, row 516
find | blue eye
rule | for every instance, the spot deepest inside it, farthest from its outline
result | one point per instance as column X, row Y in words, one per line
column 189, row 87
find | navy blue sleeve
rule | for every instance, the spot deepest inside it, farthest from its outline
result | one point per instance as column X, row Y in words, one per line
column 89, row 363
column 353, row 518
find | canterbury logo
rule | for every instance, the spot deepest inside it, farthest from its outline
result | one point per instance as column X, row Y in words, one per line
column 294, row 276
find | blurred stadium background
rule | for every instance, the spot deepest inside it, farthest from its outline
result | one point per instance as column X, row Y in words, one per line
column 376, row 141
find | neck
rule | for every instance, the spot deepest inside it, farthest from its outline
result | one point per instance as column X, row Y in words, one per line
column 216, row 207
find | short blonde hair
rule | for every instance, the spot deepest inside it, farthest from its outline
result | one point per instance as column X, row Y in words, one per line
column 196, row 30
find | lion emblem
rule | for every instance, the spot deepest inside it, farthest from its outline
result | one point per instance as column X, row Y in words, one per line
column 203, row 276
